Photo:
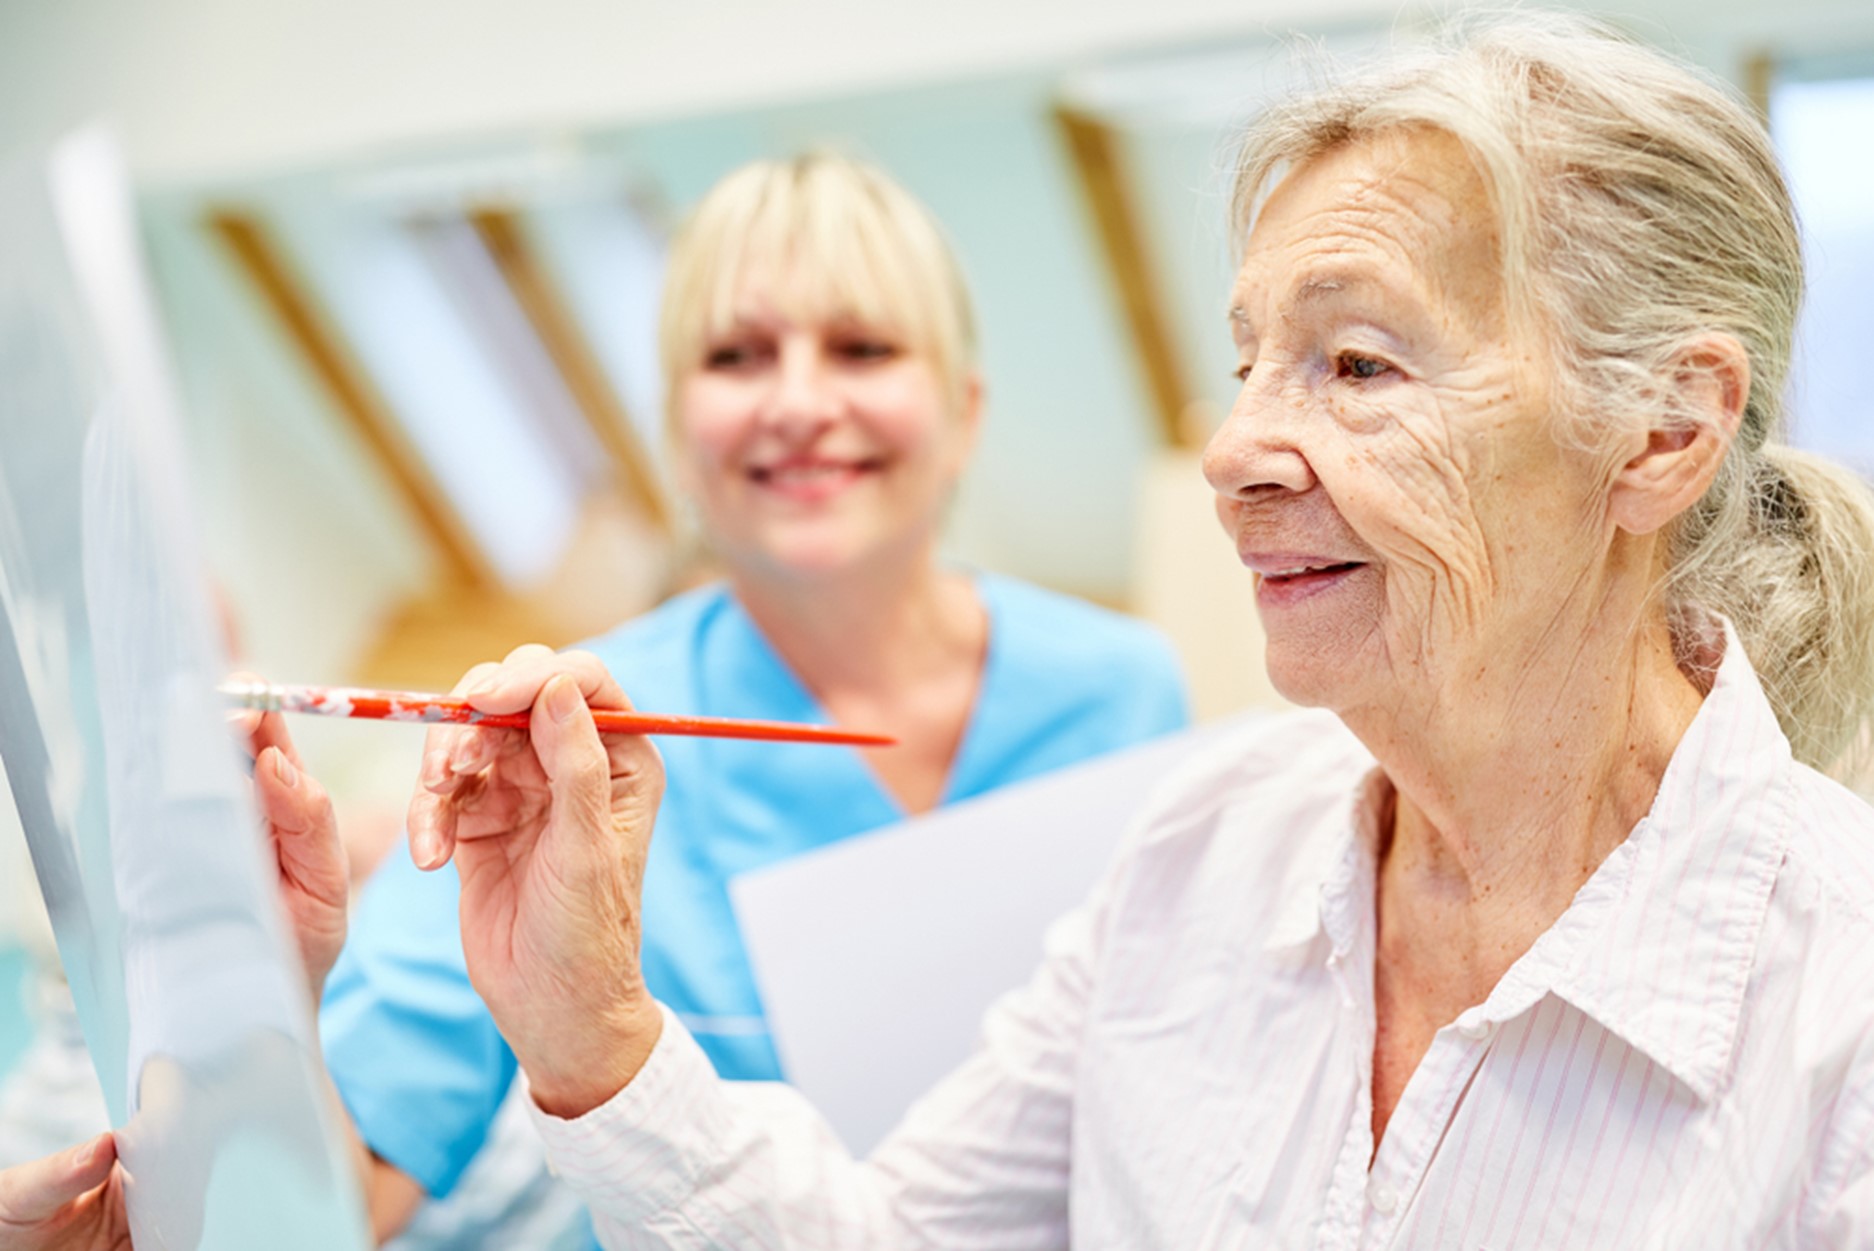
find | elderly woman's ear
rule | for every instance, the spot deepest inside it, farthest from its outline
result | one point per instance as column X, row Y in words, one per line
column 1672, row 467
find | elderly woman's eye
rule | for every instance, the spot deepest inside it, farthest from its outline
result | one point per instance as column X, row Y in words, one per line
column 1354, row 365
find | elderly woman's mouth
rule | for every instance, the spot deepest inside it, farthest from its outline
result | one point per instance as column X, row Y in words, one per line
column 1286, row 579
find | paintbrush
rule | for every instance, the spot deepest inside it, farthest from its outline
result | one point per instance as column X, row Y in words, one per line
column 345, row 701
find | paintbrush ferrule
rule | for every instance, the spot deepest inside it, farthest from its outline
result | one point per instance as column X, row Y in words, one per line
column 258, row 696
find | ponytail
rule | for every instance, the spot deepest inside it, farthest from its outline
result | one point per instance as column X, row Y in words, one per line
column 1783, row 546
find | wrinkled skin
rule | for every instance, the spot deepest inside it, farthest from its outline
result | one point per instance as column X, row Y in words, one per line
column 549, row 830
column 73, row 1201
column 1390, row 416
column 1439, row 563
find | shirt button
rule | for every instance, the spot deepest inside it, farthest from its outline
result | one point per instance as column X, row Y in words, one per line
column 1383, row 1197
column 1476, row 1029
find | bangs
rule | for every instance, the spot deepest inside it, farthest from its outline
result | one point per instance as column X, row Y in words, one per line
column 830, row 241
column 822, row 256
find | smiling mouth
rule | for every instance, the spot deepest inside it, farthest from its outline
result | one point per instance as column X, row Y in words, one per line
column 1300, row 572
column 793, row 473
column 812, row 479
column 1290, row 586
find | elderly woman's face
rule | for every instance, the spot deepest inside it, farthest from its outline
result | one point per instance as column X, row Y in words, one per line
column 1387, row 470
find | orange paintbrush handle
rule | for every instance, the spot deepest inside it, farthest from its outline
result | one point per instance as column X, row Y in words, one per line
column 342, row 701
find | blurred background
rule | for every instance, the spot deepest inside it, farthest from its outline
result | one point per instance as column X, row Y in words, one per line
column 408, row 255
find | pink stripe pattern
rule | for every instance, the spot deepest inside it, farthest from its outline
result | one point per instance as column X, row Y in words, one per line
column 1685, row 1059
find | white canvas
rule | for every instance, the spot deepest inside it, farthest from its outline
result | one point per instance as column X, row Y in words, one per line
column 143, row 840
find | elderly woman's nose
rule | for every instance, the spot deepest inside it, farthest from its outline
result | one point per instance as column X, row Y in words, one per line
column 1256, row 447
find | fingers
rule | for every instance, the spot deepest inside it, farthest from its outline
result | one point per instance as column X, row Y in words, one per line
column 567, row 744
column 256, row 731
column 459, row 761
column 431, row 820
column 269, row 730
column 445, row 744
column 242, row 722
column 36, row 1192
column 260, row 729
column 290, row 799
column 517, row 682
column 461, row 752
column 599, row 789
column 299, row 813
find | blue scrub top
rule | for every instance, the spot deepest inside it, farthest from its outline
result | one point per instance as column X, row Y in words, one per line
column 415, row 1055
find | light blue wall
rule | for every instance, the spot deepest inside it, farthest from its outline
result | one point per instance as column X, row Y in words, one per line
column 1051, row 496
column 16, row 1026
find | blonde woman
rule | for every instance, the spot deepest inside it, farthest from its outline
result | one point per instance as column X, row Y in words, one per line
column 823, row 402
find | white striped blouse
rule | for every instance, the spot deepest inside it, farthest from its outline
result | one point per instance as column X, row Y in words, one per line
column 1684, row 1060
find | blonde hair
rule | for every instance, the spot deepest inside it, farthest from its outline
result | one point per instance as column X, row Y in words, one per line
column 836, row 238
column 1640, row 206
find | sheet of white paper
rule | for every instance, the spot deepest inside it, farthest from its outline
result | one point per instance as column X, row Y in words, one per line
column 877, row 957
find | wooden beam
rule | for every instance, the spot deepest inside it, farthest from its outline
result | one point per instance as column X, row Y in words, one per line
column 1095, row 149
column 1759, row 79
column 321, row 347
column 505, row 237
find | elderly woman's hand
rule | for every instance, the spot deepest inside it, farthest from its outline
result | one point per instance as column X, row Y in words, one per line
column 72, row 1201
column 302, row 833
column 548, row 828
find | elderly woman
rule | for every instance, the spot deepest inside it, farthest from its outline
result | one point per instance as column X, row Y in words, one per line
column 1545, row 931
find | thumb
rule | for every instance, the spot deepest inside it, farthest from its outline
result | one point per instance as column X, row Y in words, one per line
column 570, row 753
column 36, row 1192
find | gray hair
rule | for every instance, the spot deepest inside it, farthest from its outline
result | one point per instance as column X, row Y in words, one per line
column 1640, row 206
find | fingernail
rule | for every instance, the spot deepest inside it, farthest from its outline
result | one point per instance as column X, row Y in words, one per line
column 283, row 768
column 432, row 768
column 480, row 690
column 423, row 848
column 462, row 759
column 562, row 699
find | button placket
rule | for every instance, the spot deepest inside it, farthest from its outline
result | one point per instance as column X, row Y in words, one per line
column 1417, row 1126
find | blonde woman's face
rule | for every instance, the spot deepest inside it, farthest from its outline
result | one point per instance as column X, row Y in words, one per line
column 817, row 447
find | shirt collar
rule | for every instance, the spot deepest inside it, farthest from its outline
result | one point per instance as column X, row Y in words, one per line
column 1322, row 888
column 1658, row 945
column 1669, row 925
